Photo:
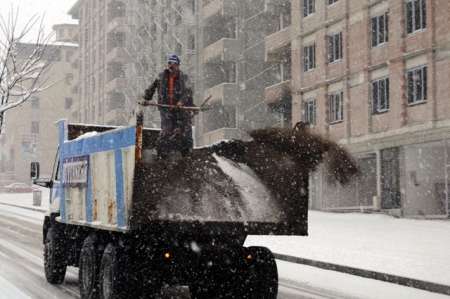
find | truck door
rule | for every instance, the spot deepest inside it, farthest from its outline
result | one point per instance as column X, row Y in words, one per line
column 54, row 187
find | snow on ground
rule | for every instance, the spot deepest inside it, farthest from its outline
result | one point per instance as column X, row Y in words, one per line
column 418, row 249
column 7, row 290
column 339, row 285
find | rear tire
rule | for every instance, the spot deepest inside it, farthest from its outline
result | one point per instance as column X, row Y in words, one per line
column 263, row 279
column 55, row 266
column 119, row 279
column 89, row 269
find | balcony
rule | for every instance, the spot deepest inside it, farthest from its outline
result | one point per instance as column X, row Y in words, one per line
column 117, row 54
column 113, row 115
column 225, row 93
column 116, row 24
column 275, row 2
column 223, row 134
column 114, row 86
column 225, row 49
column 277, row 91
column 275, row 43
column 222, row 7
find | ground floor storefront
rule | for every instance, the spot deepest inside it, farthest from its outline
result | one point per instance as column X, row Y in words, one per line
column 408, row 181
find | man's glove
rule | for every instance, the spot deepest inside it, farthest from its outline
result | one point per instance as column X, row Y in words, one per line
column 143, row 102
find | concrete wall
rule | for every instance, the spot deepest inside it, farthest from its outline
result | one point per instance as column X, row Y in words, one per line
column 424, row 168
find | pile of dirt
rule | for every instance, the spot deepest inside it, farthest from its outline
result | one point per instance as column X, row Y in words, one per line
column 281, row 158
column 299, row 152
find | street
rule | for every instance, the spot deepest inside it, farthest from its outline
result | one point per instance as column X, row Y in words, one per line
column 22, row 273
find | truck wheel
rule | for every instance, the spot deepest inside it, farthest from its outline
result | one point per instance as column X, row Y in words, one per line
column 88, row 269
column 55, row 266
column 263, row 282
column 118, row 278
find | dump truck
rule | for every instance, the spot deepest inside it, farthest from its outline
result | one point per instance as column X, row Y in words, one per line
column 133, row 225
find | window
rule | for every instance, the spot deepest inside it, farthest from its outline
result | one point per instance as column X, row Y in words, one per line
column 309, row 7
column 309, row 111
column 34, row 102
column 417, row 85
column 164, row 26
column 336, row 107
column 192, row 6
column 231, row 73
column 191, row 42
column 415, row 16
column 284, row 16
column 178, row 16
column 335, row 47
column 380, row 29
column 231, row 28
column 57, row 54
column 284, row 70
column 178, row 49
column 153, row 30
column 309, row 57
column 69, row 79
column 332, row 1
column 68, row 103
column 380, row 95
column 35, row 127
column 69, row 55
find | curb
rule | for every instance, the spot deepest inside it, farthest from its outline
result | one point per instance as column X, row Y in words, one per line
column 27, row 208
column 404, row 281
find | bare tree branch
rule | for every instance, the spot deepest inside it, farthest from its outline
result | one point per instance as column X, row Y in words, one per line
column 23, row 66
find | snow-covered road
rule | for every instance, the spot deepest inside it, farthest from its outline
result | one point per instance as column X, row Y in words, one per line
column 21, row 260
column 22, row 273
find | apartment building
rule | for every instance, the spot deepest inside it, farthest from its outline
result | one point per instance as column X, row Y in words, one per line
column 373, row 75
column 123, row 46
column 30, row 133
column 232, row 69
column 367, row 73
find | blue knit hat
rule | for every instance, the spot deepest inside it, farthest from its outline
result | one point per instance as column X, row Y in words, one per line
column 174, row 59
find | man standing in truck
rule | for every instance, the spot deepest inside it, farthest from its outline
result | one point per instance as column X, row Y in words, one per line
column 174, row 89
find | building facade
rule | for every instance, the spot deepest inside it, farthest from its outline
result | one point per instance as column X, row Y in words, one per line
column 30, row 133
column 123, row 46
column 373, row 76
column 232, row 69
column 369, row 74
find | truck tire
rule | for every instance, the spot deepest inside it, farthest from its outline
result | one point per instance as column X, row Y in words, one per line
column 263, row 281
column 118, row 278
column 55, row 266
column 88, row 272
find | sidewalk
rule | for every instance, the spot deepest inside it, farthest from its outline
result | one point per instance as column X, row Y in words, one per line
column 410, row 252
column 404, row 251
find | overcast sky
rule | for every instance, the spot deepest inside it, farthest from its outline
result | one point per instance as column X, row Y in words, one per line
column 55, row 12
